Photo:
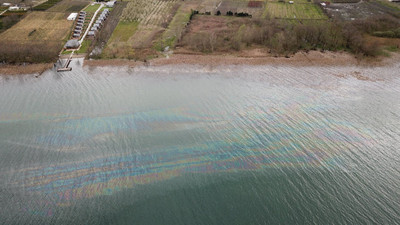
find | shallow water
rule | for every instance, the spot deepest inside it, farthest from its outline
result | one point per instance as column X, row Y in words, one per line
column 194, row 145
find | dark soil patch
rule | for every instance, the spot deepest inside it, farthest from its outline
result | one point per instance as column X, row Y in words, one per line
column 255, row 4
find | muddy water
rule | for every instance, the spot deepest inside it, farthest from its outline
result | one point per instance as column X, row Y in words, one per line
column 195, row 145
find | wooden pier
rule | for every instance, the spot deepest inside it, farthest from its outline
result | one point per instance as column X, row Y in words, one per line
column 66, row 65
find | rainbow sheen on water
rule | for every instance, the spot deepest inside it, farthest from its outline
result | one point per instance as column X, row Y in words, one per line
column 154, row 145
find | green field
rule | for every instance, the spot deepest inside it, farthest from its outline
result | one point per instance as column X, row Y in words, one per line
column 92, row 8
column 84, row 47
column 120, row 43
column 282, row 10
column 104, row 8
column 123, row 31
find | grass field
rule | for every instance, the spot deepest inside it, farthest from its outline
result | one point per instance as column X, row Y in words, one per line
column 39, row 26
column 92, row 8
column 119, row 44
column 281, row 10
column 124, row 31
column 84, row 47
column 108, row 8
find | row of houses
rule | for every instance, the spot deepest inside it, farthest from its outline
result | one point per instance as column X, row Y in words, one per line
column 79, row 28
column 80, row 21
column 99, row 23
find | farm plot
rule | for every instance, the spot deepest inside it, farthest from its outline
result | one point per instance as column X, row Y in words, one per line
column 118, row 46
column 124, row 31
column 38, row 37
column 254, row 9
column 153, row 12
column 46, row 5
column 361, row 10
column 141, row 23
column 39, row 26
column 305, row 11
column 68, row 6
column 175, row 30
column 217, row 33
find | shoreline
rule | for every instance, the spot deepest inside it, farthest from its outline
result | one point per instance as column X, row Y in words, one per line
column 253, row 57
column 37, row 69
column 312, row 58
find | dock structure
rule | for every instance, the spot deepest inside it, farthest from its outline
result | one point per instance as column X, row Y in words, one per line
column 66, row 65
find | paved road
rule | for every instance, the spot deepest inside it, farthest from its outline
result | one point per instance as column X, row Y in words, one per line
column 90, row 24
column 3, row 12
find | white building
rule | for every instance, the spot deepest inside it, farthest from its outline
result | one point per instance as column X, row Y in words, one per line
column 72, row 16
column 110, row 4
column 13, row 8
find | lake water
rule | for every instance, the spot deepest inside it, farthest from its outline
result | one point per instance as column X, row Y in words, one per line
column 201, row 145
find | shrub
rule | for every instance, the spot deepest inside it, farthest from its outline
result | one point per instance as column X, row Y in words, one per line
column 388, row 34
column 10, row 20
column 282, row 38
column 377, row 23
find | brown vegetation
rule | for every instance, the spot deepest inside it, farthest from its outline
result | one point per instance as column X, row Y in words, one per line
column 9, row 21
column 69, row 6
column 221, row 34
column 35, row 52
column 255, row 4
